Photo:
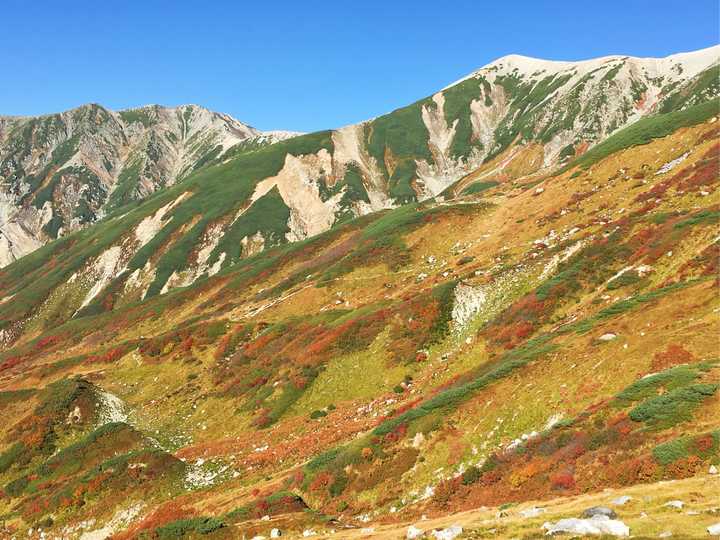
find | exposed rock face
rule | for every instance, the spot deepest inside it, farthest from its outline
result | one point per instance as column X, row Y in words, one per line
column 62, row 171
column 514, row 118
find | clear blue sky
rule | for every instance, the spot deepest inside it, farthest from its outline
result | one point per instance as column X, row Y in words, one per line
column 307, row 65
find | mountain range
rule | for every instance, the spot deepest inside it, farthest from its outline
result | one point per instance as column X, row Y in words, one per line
column 60, row 172
column 478, row 314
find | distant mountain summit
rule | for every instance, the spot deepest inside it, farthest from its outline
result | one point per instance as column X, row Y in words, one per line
column 516, row 117
column 59, row 172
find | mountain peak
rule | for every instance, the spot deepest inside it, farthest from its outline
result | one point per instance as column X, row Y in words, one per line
column 687, row 64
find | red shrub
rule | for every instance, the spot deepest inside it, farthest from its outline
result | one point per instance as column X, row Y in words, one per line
column 563, row 480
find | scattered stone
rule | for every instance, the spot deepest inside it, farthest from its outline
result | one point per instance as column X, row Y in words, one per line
column 309, row 532
column 596, row 525
column 413, row 532
column 539, row 190
column 275, row 533
column 449, row 533
column 265, row 518
column 666, row 534
column 599, row 511
column 675, row 504
column 712, row 469
column 714, row 530
column 607, row 337
column 532, row 512
column 367, row 530
column 620, row 501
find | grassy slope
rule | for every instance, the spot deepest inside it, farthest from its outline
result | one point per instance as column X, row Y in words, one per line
column 234, row 369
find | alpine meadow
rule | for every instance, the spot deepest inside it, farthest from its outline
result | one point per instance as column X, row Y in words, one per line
column 490, row 313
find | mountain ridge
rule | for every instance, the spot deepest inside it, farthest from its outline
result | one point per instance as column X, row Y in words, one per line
column 494, row 129
column 438, row 323
column 100, row 158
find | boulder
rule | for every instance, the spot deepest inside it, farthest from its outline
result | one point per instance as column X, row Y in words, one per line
column 597, row 525
column 599, row 511
column 714, row 530
column 275, row 533
column 531, row 512
column 449, row 533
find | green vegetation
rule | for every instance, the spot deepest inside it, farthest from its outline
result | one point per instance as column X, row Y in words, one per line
column 471, row 475
column 521, row 119
column 457, row 109
column 479, row 187
column 142, row 116
column 675, row 407
column 630, row 277
column 645, row 130
column 182, row 527
column 510, row 361
column 396, row 140
column 11, row 455
column 704, row 86
column 126, row 185
column 623, row 306
column 705, row 446
column 709, row 217
column 670, row 379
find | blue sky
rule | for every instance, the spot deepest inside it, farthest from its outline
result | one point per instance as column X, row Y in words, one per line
column 307, row 65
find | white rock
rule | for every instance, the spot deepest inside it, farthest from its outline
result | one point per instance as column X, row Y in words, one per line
column 620, row 501
column 309, row 532
column 367, row 530
column 666, row 534
column 714, row 530
column 675, row 504
column 607, row 337
column 448, row 533
column 275, row 533
column 596, row 525
column 532, row 512
column 413, row 532
column 712, row 469
column 265, row 518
